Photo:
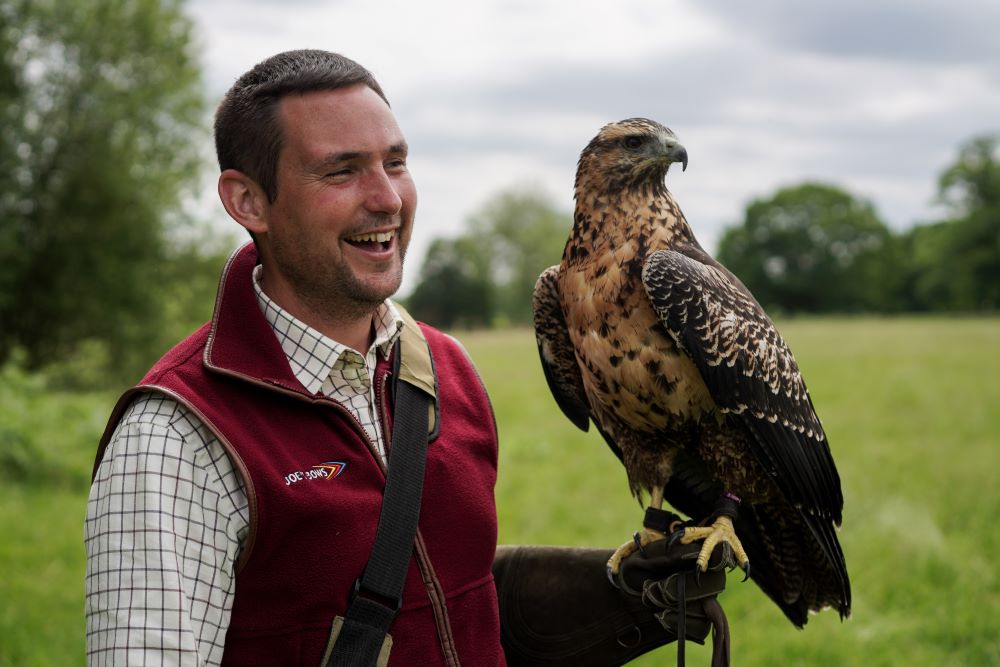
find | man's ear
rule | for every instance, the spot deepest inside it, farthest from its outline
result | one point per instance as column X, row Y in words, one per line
column 244, row 200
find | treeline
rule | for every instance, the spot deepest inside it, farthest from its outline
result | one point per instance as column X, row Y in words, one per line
column 818, row 249
column 101, row 268
column 101, row 116
column 808, row 248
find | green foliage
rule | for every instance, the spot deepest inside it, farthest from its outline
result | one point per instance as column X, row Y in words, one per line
column 46, row 437
column 955, row 264
column 101, row 111
column 189, row 276
column 17, row 448
column 509, row 242
column 453, row 290
column 812, row 248
column 973, row 182
column 971, row 188
column 521, row 233
column 926, row 278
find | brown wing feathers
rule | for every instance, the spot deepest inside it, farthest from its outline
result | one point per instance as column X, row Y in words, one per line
column 750, row 373
column 555, row 349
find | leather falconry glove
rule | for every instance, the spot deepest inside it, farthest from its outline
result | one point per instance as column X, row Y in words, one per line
column 557, row 607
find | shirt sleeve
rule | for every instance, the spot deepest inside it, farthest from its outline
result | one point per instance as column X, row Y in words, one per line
column 166, row 516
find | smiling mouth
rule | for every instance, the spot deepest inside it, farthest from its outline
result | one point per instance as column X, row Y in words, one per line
column 375, row 241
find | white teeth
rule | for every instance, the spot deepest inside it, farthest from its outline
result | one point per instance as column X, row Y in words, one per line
column 382, row 237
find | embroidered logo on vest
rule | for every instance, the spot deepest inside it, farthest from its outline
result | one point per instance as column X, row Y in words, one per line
column 327, row 470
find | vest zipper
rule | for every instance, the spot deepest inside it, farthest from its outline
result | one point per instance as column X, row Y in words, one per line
column 381, row 412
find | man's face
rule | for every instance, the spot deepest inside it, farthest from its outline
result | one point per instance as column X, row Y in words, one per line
column 341, row 222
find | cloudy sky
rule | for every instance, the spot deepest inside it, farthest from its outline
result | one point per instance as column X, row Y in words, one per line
column 874, row 96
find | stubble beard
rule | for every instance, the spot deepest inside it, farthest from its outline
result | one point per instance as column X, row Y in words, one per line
column 331, row 289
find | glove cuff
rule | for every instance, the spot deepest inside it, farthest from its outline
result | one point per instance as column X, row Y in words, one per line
column 558, row 609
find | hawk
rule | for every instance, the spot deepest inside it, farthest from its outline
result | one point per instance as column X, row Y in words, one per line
column 644, row 334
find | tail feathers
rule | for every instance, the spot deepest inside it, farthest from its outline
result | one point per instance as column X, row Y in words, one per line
column 798, row 563
column 810, row 569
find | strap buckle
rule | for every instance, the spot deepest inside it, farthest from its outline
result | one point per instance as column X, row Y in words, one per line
column 389, row 603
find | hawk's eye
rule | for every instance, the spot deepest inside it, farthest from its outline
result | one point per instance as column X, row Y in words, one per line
column 632, row 142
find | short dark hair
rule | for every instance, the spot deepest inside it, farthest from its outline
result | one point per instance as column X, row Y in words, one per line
column 247, row 130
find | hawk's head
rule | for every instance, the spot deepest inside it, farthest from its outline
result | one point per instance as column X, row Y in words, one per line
column 631, row 153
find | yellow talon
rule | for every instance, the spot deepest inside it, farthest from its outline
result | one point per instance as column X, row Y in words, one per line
column 720, row 531
column 642, row 538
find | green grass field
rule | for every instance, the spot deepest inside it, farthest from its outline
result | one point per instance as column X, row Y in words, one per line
column 912, row 409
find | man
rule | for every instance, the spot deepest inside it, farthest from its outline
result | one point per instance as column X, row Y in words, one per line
column 237, row 488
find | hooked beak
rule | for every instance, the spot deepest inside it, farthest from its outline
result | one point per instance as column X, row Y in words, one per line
column 677, row 153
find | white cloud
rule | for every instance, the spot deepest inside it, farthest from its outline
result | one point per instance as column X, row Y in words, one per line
column 875, row 98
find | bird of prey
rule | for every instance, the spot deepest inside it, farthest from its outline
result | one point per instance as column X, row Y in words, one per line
column 642, row 332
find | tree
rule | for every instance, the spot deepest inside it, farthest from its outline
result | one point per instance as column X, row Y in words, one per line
column 971, row 249
column 488, row 274
column 518, row 234
column 926, row 277
column 102, row 110
column 812, row 248
column 453, row 291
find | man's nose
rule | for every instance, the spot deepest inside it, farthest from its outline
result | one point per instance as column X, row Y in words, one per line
column 382, row 194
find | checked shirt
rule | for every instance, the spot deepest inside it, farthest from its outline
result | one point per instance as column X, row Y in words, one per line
column 167, row 512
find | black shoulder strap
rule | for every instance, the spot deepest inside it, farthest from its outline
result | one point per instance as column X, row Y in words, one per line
column 378, row 593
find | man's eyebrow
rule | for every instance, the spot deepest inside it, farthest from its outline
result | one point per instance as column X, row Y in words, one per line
column 333, row 159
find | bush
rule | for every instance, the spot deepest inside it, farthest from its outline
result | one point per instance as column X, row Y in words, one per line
column 47, row 437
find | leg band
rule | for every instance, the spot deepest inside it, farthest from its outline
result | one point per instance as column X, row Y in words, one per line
column 657, row 519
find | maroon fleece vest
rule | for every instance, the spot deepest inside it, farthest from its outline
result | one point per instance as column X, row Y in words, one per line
column 315, row 484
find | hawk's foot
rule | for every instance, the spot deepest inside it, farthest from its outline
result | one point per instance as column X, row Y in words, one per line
column 638, row 541
column 720, row 532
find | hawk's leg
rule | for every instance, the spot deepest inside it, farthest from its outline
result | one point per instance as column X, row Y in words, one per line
column 721, row 531
column 653, row 528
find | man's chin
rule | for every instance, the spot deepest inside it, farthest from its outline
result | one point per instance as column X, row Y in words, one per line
column 379, row 286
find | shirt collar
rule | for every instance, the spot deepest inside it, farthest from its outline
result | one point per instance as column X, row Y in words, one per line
column 311, row 354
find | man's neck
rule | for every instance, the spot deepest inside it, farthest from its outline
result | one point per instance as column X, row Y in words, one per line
column 360, row 336
column 356, row 332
